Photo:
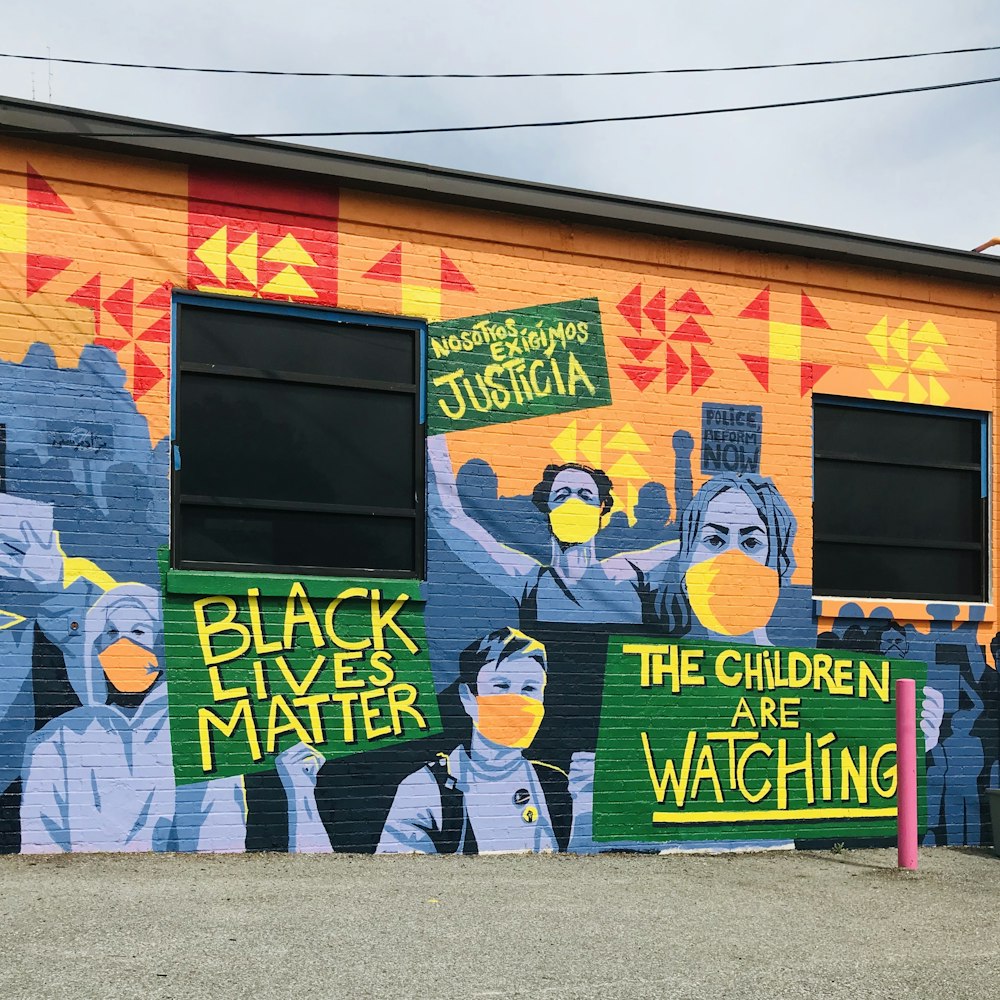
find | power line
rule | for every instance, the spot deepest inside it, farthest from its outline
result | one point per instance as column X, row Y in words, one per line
column 160, row 133
column 496, row 76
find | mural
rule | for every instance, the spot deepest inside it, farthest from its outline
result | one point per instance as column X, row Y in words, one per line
column 616, row 645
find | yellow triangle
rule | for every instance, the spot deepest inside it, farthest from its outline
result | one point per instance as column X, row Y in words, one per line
column 15, row 619
column 929, row 362
column 627, row 468
column 916, row 393
column 13, row 229
column 590, row 446
column 564, row 443
column 886, row 374
column 227, row 291
column 244, row 258
column 288, row 250
column 938, row 395
column 929, row 334
column 212, row 253
column 899, row 340
column 290, row 282
column 627, row 439
column 878, row 337
column 886, row 394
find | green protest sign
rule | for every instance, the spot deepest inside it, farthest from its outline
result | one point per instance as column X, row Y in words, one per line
column 704, row 741
column 253, row 674
column 516, row 364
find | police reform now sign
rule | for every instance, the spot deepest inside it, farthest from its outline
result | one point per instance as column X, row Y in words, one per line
column 706, row 741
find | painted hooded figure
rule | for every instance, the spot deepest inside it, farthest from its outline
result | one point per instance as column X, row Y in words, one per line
column 100, row 776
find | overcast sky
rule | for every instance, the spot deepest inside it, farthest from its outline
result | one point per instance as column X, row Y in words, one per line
column 919, row 167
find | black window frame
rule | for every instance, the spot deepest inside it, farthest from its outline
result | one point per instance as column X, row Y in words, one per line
column 182, row 301
column 983, row 468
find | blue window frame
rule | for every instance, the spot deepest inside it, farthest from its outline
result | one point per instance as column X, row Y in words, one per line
column 298, row 439
column 900, row 501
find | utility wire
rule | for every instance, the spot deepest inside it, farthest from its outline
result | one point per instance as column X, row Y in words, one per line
column 158, row 133
column 495, row 76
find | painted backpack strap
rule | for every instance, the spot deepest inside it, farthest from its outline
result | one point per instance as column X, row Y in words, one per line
column 454, row 821
column 558, row 801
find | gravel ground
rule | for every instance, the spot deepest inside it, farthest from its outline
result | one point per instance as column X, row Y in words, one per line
column 769, row 925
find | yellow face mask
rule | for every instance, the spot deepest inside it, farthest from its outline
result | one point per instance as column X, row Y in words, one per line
column 510, row 720
column 131, row 668
column 731, row 593
column 574, row 521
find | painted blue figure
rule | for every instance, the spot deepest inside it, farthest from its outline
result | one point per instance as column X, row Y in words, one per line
column 100, row 777
column 485, row 796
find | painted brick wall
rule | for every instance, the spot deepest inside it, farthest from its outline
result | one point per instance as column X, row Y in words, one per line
column 658, row 386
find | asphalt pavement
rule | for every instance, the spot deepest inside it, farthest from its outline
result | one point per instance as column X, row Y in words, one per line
column 770, row 925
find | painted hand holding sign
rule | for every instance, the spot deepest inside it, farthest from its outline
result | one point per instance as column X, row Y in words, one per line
column 709, row 740
column 518, row 364
column 256, row 675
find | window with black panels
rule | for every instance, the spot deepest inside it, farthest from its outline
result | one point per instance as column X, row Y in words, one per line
column 299, row 441
column 899, row 502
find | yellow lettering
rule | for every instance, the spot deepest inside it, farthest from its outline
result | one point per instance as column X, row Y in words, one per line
column 207, row 629
column 661, row 784
column 331, row 612
column 303, row 616
column 208, row 718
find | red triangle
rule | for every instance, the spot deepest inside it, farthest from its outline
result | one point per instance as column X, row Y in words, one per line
column 159, row 332
column 676, row 368
column 701, row 371
column 640, row 376
column 452, row 278
column 158, row 300
column 656, row 310
column 690, row 302
column 42, row 269
column 758, row 367
column 760, row 308
column 811, row 316
column 691, row 330
column 641, row 347
column 112, row 343
column 145, row 374
column 631, row 307
column 41, row 195
column 121, row 305
column 811, row 374
column 389, row 268
column 88, row 295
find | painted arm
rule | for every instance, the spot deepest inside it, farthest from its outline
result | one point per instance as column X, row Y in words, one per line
column 45, row 800
column 298, row 767
column 504, row 567
column 416, row 811
column 624, row 565
column 581, row 790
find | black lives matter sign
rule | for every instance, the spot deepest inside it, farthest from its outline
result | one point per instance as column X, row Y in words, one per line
column 730, row 438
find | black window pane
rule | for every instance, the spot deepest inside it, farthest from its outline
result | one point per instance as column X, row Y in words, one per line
column 285, row 441
column 296, row 539
column 892, row 571
column 880, row 502
column 896, row 436
column 274, row 342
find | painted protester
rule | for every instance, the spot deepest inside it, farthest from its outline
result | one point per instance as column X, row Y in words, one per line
column 100, row 777
column 486, row 795
column 735, row 556
column 572, row 601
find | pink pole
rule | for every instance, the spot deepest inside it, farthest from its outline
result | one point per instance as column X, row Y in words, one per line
column 906, row 769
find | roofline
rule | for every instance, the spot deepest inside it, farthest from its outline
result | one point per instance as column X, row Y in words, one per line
column 45, row 122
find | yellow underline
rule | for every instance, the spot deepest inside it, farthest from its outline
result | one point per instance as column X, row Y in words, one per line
column 756, row 815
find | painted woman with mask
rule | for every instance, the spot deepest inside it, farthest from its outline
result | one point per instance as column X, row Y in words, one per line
column 100, row 777
column 485, row 796
column 735, row 557
column 572, row 601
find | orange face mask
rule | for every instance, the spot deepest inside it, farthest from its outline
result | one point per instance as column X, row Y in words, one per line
column 731, row 593
column 511, row 720
column 131, row 668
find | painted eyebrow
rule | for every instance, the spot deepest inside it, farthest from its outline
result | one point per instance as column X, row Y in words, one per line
column 717, row 527
column 749, row 528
